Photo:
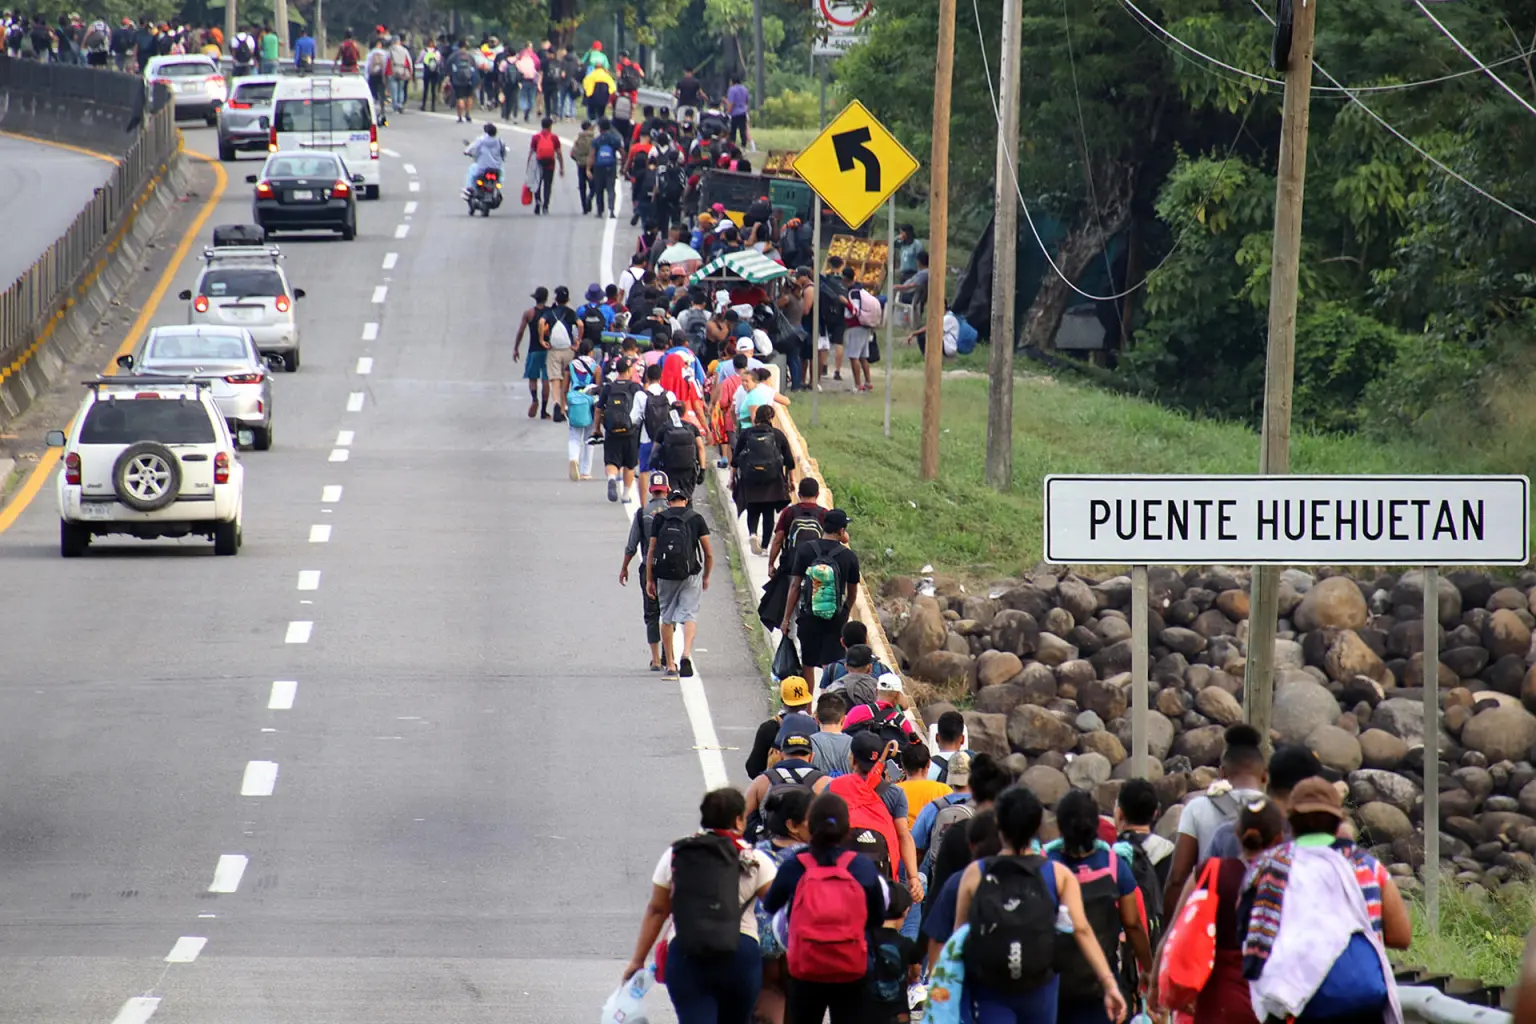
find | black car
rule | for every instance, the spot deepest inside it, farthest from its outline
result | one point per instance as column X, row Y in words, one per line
column 305, row 192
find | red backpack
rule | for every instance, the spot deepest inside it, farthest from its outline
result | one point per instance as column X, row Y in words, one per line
column 544, row 147
column 826, row 923
column 867, row 814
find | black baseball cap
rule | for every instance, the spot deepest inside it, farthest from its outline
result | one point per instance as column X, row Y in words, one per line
column 677, row 495
column 866, row 748
column 540, row 294
column 836, row 521
column 562, row 294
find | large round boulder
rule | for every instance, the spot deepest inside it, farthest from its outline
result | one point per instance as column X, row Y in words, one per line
column 994, row 667
column 1033, row 730
column 1335, row 601
column 1203, row 746
column 925, row 630
column 1301, row 706
column 987, row 734
column 1048, row 784
column 1015, row 632
column 1087, row 771
column 1501, row 734
column 1335, row 748
column 1506, row 633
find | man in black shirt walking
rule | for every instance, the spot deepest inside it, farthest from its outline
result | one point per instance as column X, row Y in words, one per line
column 819, row 616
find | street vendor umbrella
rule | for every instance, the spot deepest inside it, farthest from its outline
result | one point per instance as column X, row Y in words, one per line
column 682, row 256
column 749, row 265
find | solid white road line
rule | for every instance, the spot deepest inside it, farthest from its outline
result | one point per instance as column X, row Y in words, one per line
column 610, row 231
column 260, row 778
column 186, row 949
column 320, row 533
column 137, row 1010
column 409, row 168
column 283, row 692
column 414, row 186
column 390, row 259
column 338, row 455
column 380, row 291
column 390, row 153
column 343, row 438
column 370, row 333
column 309, row 579
column 355, row 402
column 330, row 493
column 410, row 207
column 298, row 632
column 401, row 230
column 365, row 363
column 228, row 872
column 705, row 740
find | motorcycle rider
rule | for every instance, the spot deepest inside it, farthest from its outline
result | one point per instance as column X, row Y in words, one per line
column 489, row 153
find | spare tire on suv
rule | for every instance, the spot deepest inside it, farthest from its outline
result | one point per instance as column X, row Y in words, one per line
column 147, row 476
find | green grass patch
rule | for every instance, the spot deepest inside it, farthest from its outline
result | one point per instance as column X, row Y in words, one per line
column 769, row 139
column 1482, row 934
column 962, row 526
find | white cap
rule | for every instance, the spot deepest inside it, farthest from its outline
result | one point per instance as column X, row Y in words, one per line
column 890, row 682
column 744, row 345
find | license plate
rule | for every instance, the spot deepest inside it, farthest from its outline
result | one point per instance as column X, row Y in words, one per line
column 304, row 194
column 96, row 510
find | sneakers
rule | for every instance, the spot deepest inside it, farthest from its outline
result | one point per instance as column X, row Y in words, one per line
column 837, row 375
column 575, row 470
column 613, row 488
column 559, row 416
column 756, row 545
column 685, row 668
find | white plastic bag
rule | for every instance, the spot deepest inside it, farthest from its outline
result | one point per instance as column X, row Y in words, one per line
column 627, row 1004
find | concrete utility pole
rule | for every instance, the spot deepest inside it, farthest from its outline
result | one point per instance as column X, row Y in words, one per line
column 1280, row 366
column 757, row 47
column 319, row 31
column 938, row 239
column 1005, row 236
column 280, row 23
column 231, row 24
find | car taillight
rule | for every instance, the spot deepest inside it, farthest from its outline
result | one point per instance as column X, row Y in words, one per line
column 272, row 141
column 237, row 105
column 147, row 394
column 373, row 142
column 264, row 190
column 217, row 80
column 200, row 303
column 221, row 468
column 341, row 189
column 282, row 303
column 161, row 81
column 244, row 378
column 72, row 468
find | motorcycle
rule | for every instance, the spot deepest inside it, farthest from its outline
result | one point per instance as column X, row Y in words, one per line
column 485, row 194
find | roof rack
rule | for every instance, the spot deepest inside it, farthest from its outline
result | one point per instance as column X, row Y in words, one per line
column 246, row 252
column 136, row 380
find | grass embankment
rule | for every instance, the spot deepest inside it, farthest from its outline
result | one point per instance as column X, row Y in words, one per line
column 960, row 525
column 1482, row 935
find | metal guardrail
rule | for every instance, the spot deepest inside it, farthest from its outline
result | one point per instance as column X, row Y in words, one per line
column 41, row 293
column 1425, row 1005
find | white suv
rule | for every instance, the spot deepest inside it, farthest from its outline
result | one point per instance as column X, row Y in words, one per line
column 149, row 457
column 244, row 286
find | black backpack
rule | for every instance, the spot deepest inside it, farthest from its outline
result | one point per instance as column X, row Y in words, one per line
column 658, row 416
column 629, row 79
column 1013, row 925
column 1151, row 886
column 883, row 722
column 760, row 460
column 782, row 779
column 621, row 395
column 706, row 895
column 671, row 183
column 676, row 552
column 242, row 50
column 1101, row 906
column 678, row 451
column 592, row 323
column 871, row 843
column 802, row 527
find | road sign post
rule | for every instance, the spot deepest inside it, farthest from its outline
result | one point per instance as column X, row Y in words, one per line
column 1426, row 521
column 890, row 330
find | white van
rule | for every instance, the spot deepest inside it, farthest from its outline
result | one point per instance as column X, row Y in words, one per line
column 335, row 114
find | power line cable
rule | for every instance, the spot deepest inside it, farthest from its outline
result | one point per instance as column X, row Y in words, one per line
column 1082, row 130
column 1013, row 174
column 1403, row 138
column 1473, row 58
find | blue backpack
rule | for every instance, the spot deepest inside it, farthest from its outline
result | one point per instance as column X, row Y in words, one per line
column 1355, row 984
column 607, row 156
column 579, row 404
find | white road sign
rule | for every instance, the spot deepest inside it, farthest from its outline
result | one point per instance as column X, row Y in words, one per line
column 1287, row 520
column 837, row 24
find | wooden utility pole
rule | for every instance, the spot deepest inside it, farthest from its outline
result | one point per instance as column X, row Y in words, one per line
column 1280, row 365
column 938, row 238
column 1005, row 236
column 757, row 59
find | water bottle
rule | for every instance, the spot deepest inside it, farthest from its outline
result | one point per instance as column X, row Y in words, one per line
column 627, row 1004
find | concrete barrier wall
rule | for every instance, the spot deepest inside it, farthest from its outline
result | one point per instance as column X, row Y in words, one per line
column 48, row 314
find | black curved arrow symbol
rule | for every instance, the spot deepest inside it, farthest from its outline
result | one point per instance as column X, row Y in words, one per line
column 853, row 147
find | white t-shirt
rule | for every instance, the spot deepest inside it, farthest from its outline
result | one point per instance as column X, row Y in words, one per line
column 1201, row 817
column 759, row 871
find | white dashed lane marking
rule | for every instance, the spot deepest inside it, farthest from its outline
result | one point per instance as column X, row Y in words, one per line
column 309, row 579
column 414, row 186
column 137, row 1010
column 338, row 455
column 365, row 363
column 343, row 438
column 283, row 692
column 298, row 632
column 390, row 153
column 228, row 872
column 401, row 230
column 380, row 291
column 390, row 259
column 320, row 533
column 330, row 493
column 370, row 333
column 186, row 949
column 410, row 207
column 260, row 778
column 409, row 168
column 354, row 403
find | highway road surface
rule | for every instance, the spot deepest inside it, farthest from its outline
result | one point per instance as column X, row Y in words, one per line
column 42, row 189
column 401, row 760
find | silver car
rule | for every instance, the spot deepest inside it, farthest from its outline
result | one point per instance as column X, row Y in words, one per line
column 245, row 287
column 245, row 121
column 225, row 357
column 196, row 84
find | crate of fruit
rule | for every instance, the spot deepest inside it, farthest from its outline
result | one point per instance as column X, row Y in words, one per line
column 780, row 162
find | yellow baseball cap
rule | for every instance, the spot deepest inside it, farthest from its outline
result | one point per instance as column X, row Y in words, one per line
column 794, row 692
